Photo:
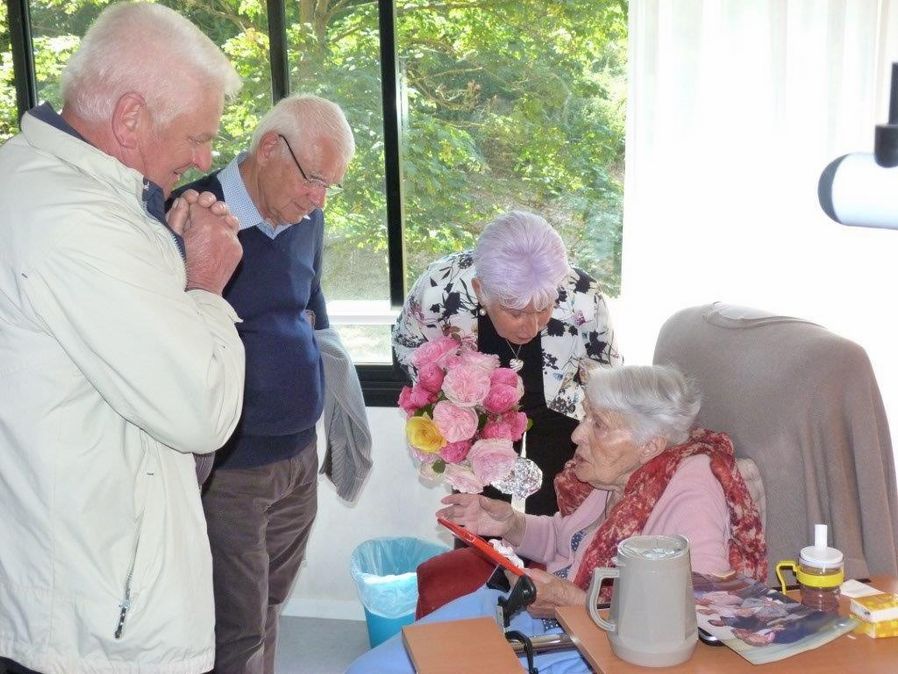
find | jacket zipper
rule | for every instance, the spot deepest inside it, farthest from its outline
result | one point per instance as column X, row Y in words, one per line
column 125, row 604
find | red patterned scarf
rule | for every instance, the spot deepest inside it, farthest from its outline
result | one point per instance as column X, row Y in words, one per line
column 747, row 547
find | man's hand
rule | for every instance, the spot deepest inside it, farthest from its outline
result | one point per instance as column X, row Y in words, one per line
column 210, row 239
column 552, row 592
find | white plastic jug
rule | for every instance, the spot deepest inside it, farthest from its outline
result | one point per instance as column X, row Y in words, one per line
column 652, row 617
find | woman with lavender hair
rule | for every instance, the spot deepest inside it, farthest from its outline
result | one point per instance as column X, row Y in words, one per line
column 517, row 297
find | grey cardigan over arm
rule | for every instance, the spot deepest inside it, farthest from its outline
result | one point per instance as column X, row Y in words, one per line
column 347, row 459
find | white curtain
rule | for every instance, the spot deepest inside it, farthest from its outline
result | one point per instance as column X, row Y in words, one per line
column 735, row 107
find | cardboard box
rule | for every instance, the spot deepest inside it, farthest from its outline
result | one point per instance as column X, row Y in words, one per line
column 883, row 628
column 876, row 608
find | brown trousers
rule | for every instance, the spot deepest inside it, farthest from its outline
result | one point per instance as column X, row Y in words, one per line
column 259, row 521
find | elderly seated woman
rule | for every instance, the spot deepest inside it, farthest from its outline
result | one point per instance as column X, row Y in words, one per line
column 636, row 469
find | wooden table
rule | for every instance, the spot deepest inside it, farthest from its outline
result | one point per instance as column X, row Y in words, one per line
column 848, row 653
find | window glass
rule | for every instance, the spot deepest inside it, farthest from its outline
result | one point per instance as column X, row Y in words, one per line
column 335, row 53
column 56, row 31
column 514, row 104
column 9, row 124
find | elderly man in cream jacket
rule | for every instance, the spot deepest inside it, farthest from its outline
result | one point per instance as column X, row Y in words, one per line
column 118, row 357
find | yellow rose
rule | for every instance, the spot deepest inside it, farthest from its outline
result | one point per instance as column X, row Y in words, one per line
column 424, row 435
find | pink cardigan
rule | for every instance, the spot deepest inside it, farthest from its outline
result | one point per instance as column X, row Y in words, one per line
column 693, row 505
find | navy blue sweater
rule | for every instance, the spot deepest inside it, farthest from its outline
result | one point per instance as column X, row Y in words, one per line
column 276, row 283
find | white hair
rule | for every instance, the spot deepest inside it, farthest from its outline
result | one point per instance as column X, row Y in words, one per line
column 520, row 259
column 308, row 119
column 150, row 50
column 653, row 400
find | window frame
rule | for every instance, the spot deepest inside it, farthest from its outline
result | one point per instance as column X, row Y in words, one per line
column 381, row 383
column 21, row 44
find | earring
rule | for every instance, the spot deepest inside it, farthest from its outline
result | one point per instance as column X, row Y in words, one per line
column 481, row 311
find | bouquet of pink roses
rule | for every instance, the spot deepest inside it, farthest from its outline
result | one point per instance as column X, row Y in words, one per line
column 462, row 418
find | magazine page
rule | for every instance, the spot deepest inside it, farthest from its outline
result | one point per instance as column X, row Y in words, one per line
column 761, row 624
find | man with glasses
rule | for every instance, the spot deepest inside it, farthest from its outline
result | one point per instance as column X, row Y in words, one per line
column 261, row 499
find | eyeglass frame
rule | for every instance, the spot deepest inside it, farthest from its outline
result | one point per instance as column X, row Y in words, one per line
column 330, row 190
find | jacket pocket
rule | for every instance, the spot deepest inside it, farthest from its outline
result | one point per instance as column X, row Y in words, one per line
column 144, row 483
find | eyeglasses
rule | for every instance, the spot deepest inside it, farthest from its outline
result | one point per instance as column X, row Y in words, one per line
column 330, row 190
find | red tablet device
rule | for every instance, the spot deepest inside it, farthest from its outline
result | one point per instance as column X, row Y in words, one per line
column 481, row 545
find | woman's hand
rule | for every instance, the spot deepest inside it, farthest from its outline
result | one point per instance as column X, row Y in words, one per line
column 484, row 516
column 552, row 592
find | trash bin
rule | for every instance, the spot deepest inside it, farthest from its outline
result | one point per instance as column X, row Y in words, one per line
column 384, row 572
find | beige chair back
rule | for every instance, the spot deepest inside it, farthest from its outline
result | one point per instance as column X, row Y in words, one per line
column 803, row 404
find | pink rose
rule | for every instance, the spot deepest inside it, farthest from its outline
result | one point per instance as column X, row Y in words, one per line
column 492, row 459
column 451, row 361
column 501, row 398
column 455, row 452
column 505, row 375
column 426, row 471
column 455, row 423
column 424, row 457
column 434, row 351
column 413, row 398
column 509, row 426
column 430, row 377
column 462, row 479
column 487, row 361
column 497, row 428
column 518, row 423
column 466, row 385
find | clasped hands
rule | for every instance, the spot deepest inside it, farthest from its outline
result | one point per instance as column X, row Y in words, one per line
column 209, row 231
column 490, row 517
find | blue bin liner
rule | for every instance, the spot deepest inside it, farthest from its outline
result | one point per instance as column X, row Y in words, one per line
column 384, row 573
column 380, row 629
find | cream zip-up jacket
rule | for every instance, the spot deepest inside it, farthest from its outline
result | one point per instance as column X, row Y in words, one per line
column 111, row 377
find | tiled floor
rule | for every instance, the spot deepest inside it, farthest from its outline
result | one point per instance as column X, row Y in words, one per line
column 317, row 646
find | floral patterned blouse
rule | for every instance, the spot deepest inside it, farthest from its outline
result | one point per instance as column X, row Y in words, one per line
column 443, row 302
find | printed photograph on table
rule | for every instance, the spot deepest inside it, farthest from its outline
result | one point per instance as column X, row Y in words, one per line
column 760, row 624
column 463, row 419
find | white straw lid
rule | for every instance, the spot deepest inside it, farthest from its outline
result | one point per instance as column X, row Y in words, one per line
column 819, row 554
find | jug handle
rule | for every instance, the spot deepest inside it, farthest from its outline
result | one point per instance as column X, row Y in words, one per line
column 785, row 564
column 595, row 586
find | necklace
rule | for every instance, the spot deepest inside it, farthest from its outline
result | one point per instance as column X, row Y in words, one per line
column 515, row 363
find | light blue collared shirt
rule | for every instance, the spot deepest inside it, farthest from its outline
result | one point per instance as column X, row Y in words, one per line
column 239, row 201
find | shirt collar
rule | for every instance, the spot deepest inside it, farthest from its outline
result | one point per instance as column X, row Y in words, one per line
column 235, row 195
column 45, row 113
